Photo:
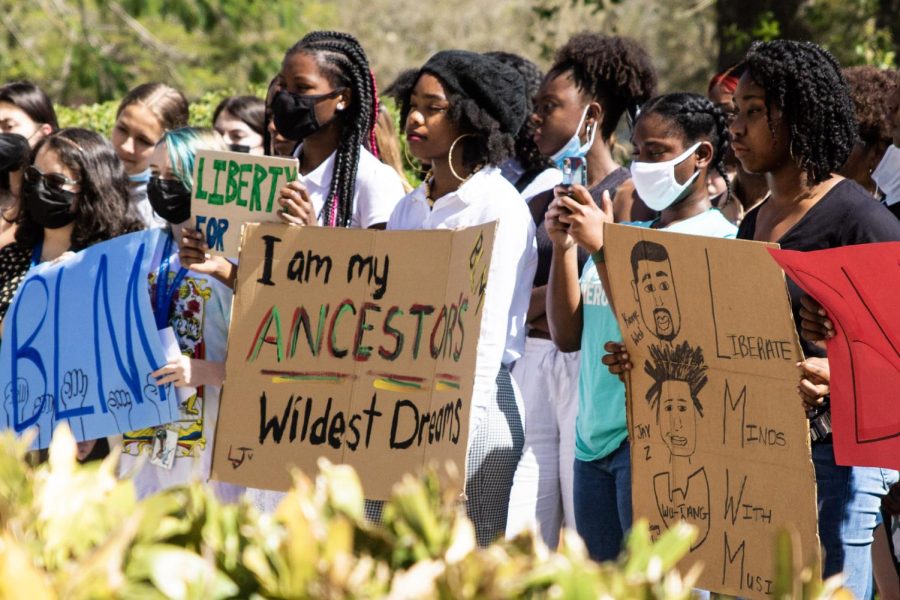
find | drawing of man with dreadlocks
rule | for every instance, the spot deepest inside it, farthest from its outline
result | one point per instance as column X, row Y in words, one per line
column 682, row 492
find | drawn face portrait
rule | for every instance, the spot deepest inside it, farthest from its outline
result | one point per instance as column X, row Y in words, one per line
column 654, row 289
column 677, row 418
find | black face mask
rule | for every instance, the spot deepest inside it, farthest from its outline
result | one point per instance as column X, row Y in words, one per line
column 295, row 114
column 239, row 148
column 170, row 198
column 49, row 208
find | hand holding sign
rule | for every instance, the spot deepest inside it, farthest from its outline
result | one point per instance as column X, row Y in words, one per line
column 296, row 206
column 190, row 372
column 616, row 359
column 193, row 252
column 814, row 323
column 814, row 381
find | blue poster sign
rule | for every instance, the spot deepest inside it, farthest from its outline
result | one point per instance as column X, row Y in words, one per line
column 80, row 343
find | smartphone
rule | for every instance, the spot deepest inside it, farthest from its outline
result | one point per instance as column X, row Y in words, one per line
column 574, row 171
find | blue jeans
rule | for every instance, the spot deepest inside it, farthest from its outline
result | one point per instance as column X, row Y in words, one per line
column 849, row 501
column 603, row 502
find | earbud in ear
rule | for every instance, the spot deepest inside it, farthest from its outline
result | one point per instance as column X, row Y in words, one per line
column 340, row 106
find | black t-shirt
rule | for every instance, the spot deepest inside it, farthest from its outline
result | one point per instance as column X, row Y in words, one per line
column 895, row 209
column 846, row 215
column 539, row 205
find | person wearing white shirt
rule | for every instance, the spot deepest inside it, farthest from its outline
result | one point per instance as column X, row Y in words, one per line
column 326, row 99
column 461, row 117
column 328, row 102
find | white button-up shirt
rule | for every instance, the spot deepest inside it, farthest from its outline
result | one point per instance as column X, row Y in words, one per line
column 378, row 189
column 484, row 198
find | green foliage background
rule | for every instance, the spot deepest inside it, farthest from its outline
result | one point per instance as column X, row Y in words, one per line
column 88, row 51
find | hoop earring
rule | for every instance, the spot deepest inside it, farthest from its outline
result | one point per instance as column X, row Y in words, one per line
column 450, row 155
column 411, row 160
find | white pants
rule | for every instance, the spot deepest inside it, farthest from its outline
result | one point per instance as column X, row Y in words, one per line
column 541, row 497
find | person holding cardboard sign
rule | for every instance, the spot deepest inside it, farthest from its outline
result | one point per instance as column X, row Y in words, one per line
column 329, row 103
column 678, row 139
column 461, row 116
column 795, row 123
column 196, row 309
column 324, row 98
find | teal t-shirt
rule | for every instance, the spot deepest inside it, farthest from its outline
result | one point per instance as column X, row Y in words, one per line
column 601, row 426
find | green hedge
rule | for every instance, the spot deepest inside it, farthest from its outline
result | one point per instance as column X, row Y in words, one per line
column 102, row 116
column 71, row 531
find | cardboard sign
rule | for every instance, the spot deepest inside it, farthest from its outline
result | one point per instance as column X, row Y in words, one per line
column 356, row 345
column 718, row 434
column 858, row 287
column 233, row 188
column 80, row 343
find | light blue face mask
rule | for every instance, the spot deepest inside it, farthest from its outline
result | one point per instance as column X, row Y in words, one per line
column 142, row 177
column 574, row 148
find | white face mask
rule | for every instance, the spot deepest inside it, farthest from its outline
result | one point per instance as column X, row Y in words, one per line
column 655, row 183
column 887, row 175
column 574, row 148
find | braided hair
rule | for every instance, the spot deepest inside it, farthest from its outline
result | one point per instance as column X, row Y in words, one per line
column 699, row 119
column 615, row 71
column 805, row 82
column 344, row 62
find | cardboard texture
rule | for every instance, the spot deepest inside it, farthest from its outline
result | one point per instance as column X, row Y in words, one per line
column 355, row 345
column 233, row 188
column 858, row 286
column 718, row 435
column 80, row 343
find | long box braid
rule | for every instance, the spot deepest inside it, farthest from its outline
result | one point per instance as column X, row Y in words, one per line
column 341, row 56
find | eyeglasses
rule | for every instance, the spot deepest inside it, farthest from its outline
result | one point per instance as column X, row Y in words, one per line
column 55, row 181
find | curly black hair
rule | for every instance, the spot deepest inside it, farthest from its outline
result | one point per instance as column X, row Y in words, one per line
column 805, row 82
column 488, row 144
column 527, row 151
column 699, row 119
column 102, row 208
column 870, row 90
column 615, row 71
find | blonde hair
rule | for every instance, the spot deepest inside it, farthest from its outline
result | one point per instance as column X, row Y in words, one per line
column 389, row 144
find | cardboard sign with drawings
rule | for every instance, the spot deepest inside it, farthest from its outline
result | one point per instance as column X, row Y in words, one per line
column 714, row 417
column 351, row 345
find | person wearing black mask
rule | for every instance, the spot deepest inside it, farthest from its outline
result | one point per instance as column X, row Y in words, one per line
column 74, row 195
column 329, row 104
column 14, row 155
column 325, row 99
column 241, row 121
column 196, row 308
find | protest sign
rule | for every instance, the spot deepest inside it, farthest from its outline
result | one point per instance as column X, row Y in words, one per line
column 233, row 188
column 355, row 345
column 718, row 434
column 858, row 286
column 80, row 343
